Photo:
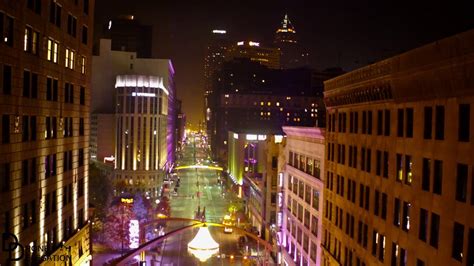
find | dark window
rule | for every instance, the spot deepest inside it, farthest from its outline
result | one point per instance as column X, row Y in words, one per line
column 6, row 23
column 376, row 202
column 396, row 212
column 86, row 6
column 33, row 170
column 369, row 122
column 356, row 122
column 24, row 172
column 379, row 122
column 385, row 164
column 426, row 174
column 387, row 123
column 434, row 230
column 81, row 133
column 25, row 132
column 25, row 216
column 81, row 187
column 55, row 13
column 464, row 122
column 54, row 201
column 7, row 79
column 84, row 34
column 406, row 216
column 470, row 247
column 461, row 182
column 26, row 83
column 5, row 177
column 34, row 5
column 458, row 239
column 428, row 123
column 82, row 96
column 81, row 157
column 55, row 90
column 400, row 123
column 5, row 129
column 378, row 163
column 71, row 25
column 34, row 85
column 364, row 122
column 423, row 226
column 409, row 126
column 438, row 177
column 384, row 206
column 439, row 123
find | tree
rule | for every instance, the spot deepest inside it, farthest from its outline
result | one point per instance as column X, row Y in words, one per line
column 116, row 227
column 139, row 208
column 100, row 191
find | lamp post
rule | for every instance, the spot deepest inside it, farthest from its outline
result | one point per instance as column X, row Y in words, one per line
column 203, row 246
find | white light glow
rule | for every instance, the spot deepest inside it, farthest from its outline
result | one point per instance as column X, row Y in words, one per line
column 280, row 180
column 219, row 31
column 134, row 234
column 262, row 137
column 236, row 136
column 251, row 137
column 254, row 43
column 144, row 94
column 240, row 43
column 140, row 81
column 203, row 246
column 278, row 138
column 280, row 199
column 110, row 24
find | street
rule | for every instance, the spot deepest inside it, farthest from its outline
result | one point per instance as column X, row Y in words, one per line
column 199, row 189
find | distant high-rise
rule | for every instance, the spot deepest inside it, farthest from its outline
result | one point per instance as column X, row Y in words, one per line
column 45, row 59
column 255, row 52
column 127, row 34
column 292, row 54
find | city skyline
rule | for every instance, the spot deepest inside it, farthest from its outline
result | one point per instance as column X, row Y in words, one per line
column 347, row 34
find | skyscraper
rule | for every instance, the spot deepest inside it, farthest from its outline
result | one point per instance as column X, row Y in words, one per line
column 398, row 183
column 266, row 56
column 292, row 53
column 141, row 97
column 45, row 59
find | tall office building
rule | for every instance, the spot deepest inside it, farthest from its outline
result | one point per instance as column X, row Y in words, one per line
column 286, row 40
column 45, row 56
column 399, row 188
column 267, row 56
column 300, row 195
column 138, row 95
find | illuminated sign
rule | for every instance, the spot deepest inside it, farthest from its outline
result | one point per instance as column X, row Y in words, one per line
column 134, row 234
column 236, row 136
column 278, row 138
column 144, row 94
column 251, row 137
column 219, row 31
column 140, row 81
column 240, row 43
column 128, row 201
column 262, row 137
column 254, row 43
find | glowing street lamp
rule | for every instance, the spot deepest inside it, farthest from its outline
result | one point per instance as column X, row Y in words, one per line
column 203, row 246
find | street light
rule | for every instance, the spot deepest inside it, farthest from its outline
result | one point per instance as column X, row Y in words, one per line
column 203, row 246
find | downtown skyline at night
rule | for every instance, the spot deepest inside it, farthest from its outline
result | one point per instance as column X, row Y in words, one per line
column 293, row 133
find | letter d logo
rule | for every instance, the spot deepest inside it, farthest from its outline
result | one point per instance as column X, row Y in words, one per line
column 10, row 246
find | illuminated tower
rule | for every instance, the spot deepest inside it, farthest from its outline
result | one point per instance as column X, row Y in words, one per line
column 292, row 55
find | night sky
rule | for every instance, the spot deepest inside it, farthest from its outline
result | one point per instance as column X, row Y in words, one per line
column 350, row 33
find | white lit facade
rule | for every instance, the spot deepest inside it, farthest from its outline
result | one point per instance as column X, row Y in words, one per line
column 301, row 179
column 141, row 123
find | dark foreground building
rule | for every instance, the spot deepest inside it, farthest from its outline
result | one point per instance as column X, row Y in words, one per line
column 45, row 59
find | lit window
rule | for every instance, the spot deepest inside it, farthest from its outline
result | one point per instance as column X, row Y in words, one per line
column 281, row 108
column 277, row 103
column 269, row 103
column 268, row 113
column 83, row 64
column 261, row 103
column 53, row 48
